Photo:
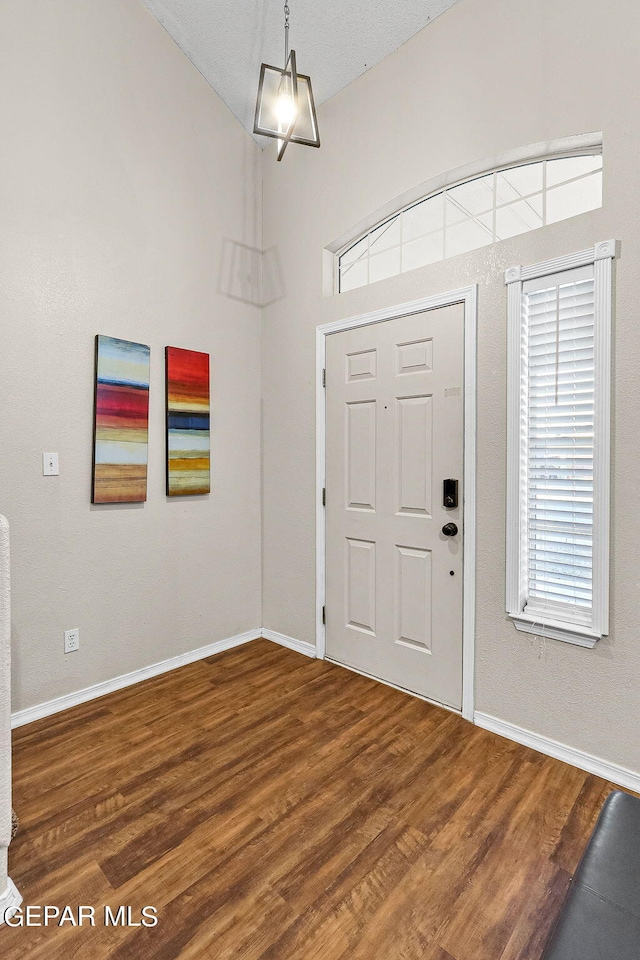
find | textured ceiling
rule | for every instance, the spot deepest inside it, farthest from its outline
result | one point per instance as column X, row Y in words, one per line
column 335, row 42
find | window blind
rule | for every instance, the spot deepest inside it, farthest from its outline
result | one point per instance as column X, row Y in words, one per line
column 559, row 389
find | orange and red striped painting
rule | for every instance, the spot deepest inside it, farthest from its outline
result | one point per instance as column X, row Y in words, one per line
column 121, row 421
column 188, row 448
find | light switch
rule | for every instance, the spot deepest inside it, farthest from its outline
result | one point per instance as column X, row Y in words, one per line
column 50, row 465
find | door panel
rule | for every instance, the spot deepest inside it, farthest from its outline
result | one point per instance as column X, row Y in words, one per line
column 361, row 585
column 413, row 456
column 394, row 433
column 413, row 597
column 360, row 480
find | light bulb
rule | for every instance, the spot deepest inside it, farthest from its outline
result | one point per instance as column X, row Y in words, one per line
column 285, row 110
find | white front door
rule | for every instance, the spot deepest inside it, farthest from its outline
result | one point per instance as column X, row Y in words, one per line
column 394, row 413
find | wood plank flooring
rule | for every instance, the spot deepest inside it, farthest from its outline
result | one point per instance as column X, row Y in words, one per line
column 273, row 807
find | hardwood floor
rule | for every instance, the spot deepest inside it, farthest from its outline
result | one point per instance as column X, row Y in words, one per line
column 272, row 807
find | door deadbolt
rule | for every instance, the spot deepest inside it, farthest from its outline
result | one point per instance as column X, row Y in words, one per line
column 450, row 529
column 450, row 493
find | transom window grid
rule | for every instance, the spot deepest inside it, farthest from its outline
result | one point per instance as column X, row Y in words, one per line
column 472, row 214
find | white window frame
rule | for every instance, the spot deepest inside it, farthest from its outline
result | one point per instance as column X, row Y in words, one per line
column 573, row 630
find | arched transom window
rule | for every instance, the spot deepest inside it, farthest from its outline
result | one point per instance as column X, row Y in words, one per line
column 473, row 214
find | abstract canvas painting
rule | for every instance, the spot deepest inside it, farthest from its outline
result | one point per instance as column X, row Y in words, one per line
column 121, row 421
column 187, row 373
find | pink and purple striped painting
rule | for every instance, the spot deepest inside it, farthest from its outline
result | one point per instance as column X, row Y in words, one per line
column 121, row 421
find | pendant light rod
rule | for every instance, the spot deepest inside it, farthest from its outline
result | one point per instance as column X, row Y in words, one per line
column 286, row 31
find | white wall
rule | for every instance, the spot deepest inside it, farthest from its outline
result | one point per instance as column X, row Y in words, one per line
column 488, row 76
column 121, row 173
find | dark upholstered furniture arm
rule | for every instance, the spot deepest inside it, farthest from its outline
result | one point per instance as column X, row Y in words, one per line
column 600, row 919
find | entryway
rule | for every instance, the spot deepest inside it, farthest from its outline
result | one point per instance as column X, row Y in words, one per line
column 398, row 512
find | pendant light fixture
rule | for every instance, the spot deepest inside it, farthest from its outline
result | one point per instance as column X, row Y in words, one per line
column 285, row 109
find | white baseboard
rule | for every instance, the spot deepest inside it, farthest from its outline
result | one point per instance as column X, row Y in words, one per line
column 560, row 751
column 22, row 717
column 10, row 900
column 552, row 748
column 300, row 646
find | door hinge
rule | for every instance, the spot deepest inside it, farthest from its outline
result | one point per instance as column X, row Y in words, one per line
column 324, row 614
column 324, row 378
column 324, row 496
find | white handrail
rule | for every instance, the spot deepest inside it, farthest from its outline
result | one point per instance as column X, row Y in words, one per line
column 9, row 897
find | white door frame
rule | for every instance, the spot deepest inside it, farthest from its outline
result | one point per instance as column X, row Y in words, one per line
column 469, row 297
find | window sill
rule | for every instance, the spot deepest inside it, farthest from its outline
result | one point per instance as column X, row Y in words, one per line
column 555, row 630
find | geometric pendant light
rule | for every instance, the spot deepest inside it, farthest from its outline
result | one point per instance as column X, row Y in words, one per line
column 285, row 108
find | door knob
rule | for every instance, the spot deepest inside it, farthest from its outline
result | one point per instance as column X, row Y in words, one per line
column 450, row 529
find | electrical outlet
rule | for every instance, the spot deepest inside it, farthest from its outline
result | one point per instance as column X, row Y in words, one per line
column 71, row 640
